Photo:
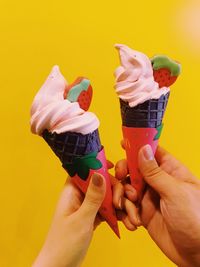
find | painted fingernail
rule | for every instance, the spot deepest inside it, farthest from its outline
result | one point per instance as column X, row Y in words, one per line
column 97, row 179
column 147, row 152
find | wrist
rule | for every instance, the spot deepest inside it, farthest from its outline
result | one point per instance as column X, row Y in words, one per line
column 42, row 260
column 48, row 258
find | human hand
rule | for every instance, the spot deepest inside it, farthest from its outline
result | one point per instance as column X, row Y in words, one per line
column 72, row 226
column 74, row 221
column 170, row 207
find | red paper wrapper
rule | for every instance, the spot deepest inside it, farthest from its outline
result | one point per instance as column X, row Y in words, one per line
column 106, row 210
column 134, row 139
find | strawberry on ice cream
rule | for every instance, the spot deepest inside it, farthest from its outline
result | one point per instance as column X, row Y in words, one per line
column 51, row 111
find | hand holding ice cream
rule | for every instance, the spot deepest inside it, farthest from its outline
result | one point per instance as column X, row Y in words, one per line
column 142, row 87
column 59, row 115
column 56, row 115
column 170, row 205
column 72, row 227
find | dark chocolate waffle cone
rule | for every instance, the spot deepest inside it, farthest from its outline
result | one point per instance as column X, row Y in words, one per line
column 146, row 115
column 142, row 125
column 69, row 145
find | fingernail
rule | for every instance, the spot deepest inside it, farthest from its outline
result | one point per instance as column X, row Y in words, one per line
column 147, row 152
column 120, row 203
column 97, row 179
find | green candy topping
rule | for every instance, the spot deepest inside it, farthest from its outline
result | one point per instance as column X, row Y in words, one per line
column 159, row 62
column 159, row 130
column 81, row 166
column 77, row 89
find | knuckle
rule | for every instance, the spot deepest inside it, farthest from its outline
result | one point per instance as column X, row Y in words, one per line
column 153, row 171
column 93, row 200
column 120, row 164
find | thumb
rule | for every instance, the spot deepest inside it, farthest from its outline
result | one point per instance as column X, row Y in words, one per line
column 94, row 196
column 164, row 184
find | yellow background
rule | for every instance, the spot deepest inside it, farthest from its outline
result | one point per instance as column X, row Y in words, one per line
column 79, row 36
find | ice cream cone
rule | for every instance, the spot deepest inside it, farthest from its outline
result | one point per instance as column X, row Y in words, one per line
column 81, row 156
column 142, row 85
column 59, row 114
column 141, row 125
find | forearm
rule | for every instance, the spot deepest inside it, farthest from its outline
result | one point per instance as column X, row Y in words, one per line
column 44, row 262
column 47, row 260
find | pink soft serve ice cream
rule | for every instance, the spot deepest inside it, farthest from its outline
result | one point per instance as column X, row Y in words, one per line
column 52, row 112
column 134, row 78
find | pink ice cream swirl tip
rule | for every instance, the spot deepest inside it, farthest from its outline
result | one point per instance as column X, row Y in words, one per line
column 134, row 78
column 52, row 112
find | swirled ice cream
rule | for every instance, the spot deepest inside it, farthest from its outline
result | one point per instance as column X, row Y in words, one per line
column 52, row 112
column 134, row 78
